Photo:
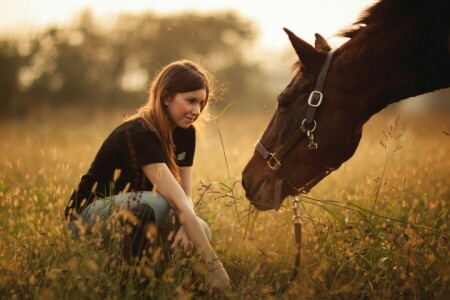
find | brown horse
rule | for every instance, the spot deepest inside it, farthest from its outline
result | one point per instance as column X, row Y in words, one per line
column 397, row 49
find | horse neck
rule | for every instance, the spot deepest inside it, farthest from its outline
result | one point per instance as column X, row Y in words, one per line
column 398, row 63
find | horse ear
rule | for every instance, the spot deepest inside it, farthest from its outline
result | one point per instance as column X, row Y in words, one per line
column 305, row 52
column 321, row 44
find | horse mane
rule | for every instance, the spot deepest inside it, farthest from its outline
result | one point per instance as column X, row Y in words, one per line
column 412, row 38
column 401, row 38
column 387, row 12
column 297, row 66
column 383, row 11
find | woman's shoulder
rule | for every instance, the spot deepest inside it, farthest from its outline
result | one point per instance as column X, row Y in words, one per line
column 134, row 128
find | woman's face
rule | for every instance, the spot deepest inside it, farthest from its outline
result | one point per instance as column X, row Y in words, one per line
column 184, row 108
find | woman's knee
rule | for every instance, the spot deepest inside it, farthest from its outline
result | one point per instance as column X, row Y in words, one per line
column 145, row 214
column 158, row 203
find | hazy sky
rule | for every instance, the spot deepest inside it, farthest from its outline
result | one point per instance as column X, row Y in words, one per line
column 304, row 17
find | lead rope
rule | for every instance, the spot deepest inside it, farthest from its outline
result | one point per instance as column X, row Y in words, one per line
column 297, row 221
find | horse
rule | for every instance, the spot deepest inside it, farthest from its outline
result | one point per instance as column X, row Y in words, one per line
column 396, row 49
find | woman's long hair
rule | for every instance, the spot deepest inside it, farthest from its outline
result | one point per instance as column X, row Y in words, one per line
column 178, row 77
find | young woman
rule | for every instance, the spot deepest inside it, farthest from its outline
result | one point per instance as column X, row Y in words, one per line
column 145, row 166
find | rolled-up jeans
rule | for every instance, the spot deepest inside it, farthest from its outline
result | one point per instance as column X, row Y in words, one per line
column 97, row 213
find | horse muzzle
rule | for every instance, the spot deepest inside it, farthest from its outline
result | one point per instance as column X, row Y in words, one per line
column 262, row 199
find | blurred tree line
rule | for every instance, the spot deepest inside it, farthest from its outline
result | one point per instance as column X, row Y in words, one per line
column 94, row 64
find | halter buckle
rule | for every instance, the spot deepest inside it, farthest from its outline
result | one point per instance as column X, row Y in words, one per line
column 273, row 162
column 311, row 98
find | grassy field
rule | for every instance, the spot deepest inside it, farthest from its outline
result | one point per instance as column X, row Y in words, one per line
column 400, row 170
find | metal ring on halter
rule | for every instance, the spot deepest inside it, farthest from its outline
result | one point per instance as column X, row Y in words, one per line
column 295, row 200
column 314, row 127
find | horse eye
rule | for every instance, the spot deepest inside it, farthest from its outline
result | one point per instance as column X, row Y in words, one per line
column 284, row 102
column 282, row 107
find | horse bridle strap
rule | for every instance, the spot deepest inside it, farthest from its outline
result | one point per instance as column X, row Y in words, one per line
column 273, row 159
column 316, row 96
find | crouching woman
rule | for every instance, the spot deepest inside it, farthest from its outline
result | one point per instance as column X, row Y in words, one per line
column 153, row 150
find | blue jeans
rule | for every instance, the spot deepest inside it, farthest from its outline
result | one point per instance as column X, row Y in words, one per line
column 146, row 207
column 96, row 213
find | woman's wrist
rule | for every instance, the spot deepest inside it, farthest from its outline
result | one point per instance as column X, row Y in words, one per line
column 209, row 261
column 215, row 267
column 213, row 264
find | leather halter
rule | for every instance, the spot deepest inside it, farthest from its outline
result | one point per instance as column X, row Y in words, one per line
column 307, row 127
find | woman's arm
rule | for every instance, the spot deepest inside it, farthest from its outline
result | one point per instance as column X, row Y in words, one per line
column 166, row 184
column 181, row 239
column 186, row 182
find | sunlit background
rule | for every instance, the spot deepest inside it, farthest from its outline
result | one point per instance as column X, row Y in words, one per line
column 306, row 17
column 79, row 52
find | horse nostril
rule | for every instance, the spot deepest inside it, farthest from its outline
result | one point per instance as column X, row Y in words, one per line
column 243, row 182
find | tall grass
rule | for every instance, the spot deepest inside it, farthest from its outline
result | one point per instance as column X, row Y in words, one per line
column 349, row 249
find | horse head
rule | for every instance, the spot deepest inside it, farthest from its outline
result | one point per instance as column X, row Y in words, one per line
column 309, row 151
column 397, row 49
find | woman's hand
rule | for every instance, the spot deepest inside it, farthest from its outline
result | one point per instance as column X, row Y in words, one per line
column 182, row 240
column 219, row 279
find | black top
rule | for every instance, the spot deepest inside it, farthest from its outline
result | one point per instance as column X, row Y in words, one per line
column 127, row 148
